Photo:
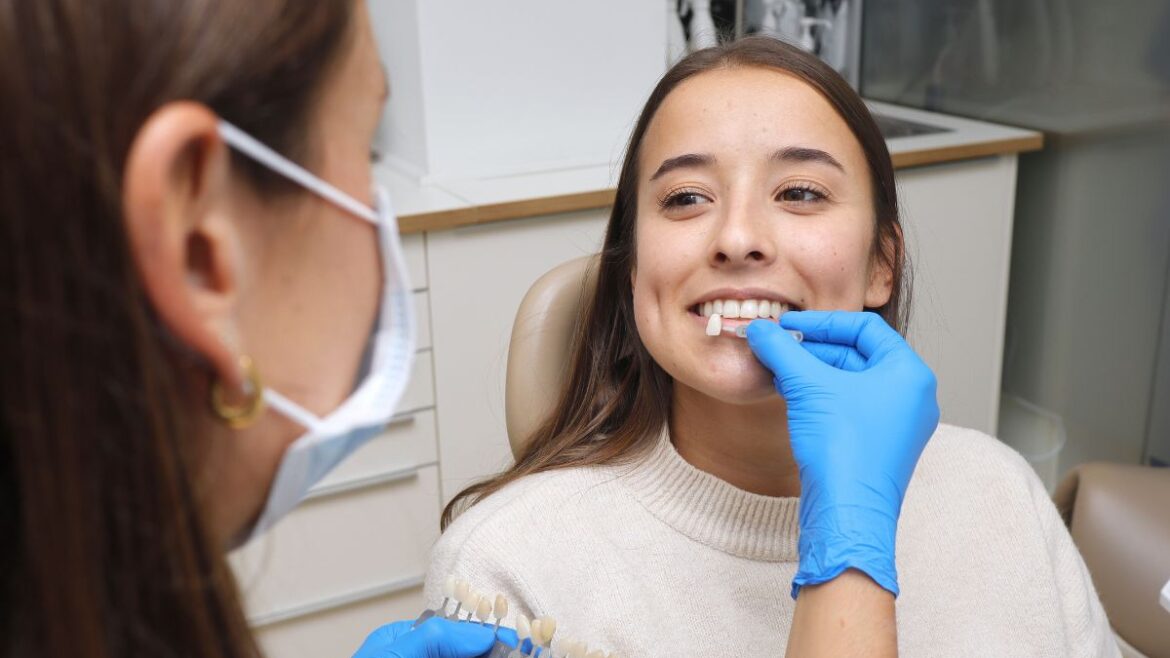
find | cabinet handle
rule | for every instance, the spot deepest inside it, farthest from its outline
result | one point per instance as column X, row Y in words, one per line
column 337, row 601
column 397, row 475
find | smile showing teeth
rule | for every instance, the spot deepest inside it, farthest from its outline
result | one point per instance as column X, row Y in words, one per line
column 746, row 308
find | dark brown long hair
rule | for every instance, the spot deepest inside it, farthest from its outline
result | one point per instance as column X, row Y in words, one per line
column 616, row 399
column 105, row 551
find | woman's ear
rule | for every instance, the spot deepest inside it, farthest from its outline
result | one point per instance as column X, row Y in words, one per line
column 881, row 272
column 176, row 199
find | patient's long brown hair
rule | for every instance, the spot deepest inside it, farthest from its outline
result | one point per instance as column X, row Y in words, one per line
column 616, row 399
column 104, row 550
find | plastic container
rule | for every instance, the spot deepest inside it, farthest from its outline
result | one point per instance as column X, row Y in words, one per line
column 1036, row 433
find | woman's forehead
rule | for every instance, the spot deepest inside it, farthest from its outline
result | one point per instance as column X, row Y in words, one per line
column 747, row 112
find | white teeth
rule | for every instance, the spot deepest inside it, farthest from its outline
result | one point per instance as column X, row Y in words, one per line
column 748, row 309
column 715, row 325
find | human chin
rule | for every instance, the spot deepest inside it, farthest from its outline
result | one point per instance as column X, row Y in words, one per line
column 720, row 367
column 735, row 379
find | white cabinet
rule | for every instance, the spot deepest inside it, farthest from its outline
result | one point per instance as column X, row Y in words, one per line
column 478, row 275
column 958, row 220
column 958, row 224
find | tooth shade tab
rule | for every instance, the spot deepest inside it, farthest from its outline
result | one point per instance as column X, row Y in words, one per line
column 714, row 325
column 449, row 587
column 523, row 630
column 501, row 608
column 483, row 611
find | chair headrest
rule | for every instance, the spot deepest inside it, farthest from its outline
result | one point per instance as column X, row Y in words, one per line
column 538, row 355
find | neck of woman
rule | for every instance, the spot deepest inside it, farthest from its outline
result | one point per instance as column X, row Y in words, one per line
column 745, row 445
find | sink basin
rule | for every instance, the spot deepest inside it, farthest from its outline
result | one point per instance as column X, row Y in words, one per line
column 893, row 128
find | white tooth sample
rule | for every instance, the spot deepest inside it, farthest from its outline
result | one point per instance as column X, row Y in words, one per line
column 717, row 306
column 523, row 630
column 483, row 611
column 501, row 608
column 748, row 308
column 548, row 627
column 765, row 308
column 449, row 587
column 595, row 654
column 472, row 604
column 714, row 325
column 535, row 633
column 462, row 590
column 708, row 308
column 731, row 308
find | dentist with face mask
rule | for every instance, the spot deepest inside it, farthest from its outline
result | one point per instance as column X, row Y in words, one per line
column 204, row 309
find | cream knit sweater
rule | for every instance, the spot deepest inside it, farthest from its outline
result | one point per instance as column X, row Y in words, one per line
column 662, row 559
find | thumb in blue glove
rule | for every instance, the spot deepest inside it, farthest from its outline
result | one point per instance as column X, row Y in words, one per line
column 434, row 638
column 861, row 407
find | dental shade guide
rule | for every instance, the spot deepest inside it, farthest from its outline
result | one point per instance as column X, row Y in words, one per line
column 448, row 595
column 715, row 328
column 539, row 632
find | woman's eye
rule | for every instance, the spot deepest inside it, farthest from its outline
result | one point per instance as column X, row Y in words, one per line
column 801, row 195
column 684, row 199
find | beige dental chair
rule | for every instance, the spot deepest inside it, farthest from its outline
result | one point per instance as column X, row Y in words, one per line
column 1119, row 517
column 538, row 355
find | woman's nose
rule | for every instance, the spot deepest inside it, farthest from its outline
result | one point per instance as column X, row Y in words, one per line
column 742, row 237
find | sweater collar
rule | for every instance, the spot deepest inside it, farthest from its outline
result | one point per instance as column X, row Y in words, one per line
column 712, row 511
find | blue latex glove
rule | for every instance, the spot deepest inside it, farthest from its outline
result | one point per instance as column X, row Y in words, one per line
column 861, row 407
column 434, row 638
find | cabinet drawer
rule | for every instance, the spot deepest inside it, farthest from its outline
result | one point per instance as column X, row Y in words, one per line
column 420, row 390
column 408, row 442
column 422, row 319
column 415, row 252
column 339, row 631
column 332, row 548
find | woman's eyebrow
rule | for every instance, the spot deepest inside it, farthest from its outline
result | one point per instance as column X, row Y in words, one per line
column 685, row 160
column 805, row 154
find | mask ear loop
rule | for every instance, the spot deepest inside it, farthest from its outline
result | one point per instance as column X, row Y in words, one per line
column 253, row 148
column 239, row 416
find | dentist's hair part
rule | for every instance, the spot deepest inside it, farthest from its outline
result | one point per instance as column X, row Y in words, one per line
column 616, row 399
column 107, row 551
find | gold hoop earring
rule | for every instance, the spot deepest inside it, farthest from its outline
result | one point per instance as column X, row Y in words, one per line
column 239, row 416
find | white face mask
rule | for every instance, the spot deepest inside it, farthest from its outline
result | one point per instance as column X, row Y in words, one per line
column 388, row 356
